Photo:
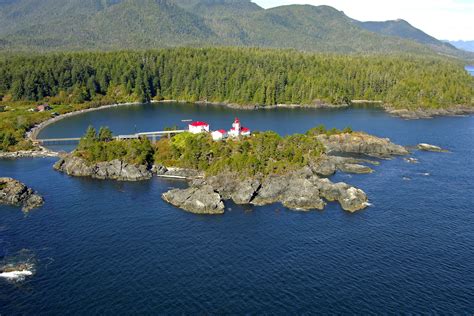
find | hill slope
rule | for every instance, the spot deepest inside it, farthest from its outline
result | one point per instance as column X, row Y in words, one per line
column 130, row 24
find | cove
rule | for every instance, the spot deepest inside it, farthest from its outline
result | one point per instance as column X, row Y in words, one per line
column 109, row 247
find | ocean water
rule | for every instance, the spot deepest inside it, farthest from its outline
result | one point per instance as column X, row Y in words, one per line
column 470, row 69
column 105, row 247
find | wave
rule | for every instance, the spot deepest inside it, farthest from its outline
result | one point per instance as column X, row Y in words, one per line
column 16, row 275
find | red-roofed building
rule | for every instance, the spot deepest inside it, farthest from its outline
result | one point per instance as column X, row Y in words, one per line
column 198, row 127
column 244, row 131
column 219, row 134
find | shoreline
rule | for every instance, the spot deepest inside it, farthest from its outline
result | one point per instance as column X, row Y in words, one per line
column 32, row 134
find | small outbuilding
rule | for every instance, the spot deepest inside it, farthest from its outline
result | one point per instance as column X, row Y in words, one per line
column 219, row 134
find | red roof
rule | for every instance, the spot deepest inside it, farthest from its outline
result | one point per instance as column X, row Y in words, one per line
column 245, row 129
column 222, row 131
column 199, row 124
column 236, row 120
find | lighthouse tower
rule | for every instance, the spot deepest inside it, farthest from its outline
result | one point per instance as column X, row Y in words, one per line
column 236, row 125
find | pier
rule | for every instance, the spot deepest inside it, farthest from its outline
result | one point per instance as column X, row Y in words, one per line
column 153, row 136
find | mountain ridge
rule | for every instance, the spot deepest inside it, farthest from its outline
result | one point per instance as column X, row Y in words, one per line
column 49, row 25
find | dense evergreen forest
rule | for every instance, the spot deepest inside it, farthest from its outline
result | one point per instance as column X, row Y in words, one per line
column 69, row 81
column 244, row 76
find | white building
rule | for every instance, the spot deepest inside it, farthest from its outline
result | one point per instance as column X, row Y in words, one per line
column 198, row 127
column 237, row 130
column 219, row 134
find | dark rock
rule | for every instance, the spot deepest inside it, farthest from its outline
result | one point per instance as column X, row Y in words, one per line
column 159, row 170
column 13, row 192
column 203, row 200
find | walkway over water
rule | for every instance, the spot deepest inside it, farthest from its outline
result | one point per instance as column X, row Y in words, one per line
column 153, row 136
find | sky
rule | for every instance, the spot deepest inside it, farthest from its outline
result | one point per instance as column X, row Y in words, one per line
column 443, row 19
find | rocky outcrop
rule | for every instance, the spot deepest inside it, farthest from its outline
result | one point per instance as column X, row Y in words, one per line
column 115, row 169
column 197, row 200
column 428, row 147
column 293, row 191
column 301, row 190
column 13, row 192
column 430, row 113
column 350, row 198
column 362, row 144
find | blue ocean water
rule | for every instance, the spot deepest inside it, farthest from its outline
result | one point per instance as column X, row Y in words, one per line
column 105, row 247
column 470, row 69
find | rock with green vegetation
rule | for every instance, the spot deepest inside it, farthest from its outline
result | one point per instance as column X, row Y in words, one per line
column 114, row 169
column 13, row 192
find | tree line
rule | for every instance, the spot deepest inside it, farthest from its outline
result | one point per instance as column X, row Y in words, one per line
column 237, row 75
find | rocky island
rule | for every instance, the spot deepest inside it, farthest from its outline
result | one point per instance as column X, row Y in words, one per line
column 303, row 189
column 13, row 192
column 262, row 169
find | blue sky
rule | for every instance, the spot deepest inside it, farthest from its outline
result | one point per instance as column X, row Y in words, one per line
column 443, row 19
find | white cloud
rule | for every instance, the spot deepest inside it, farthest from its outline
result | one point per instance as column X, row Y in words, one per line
column 443, row 19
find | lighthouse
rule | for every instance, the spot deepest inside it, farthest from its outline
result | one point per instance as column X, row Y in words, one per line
column 237, row 129
column 236, row 125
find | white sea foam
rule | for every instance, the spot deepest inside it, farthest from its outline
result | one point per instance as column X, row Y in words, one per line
column 16, row 275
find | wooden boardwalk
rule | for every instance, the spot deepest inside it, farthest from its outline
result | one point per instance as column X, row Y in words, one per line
column 73, row 140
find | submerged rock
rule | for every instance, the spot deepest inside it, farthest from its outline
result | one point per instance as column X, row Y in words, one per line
column 115, row 169
column 202, row 200
column 13, row 192
column 428, row 147
column 411, row 160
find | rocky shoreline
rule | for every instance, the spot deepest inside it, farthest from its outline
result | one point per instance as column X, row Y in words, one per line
column 302, row 190
column 455, row 110
column 113, row 170
column 13, row 192
column 41, row 153
column 305, row 189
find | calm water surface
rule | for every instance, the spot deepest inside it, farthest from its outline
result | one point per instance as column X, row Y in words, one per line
column 104, row 247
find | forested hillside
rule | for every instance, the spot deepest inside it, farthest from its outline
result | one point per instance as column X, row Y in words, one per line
column 244, row 76
column 45, row 25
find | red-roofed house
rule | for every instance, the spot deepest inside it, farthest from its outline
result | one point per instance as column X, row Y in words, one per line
column 244, row 131
column 43, row 107
column 198, row 127
column 219, row 134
